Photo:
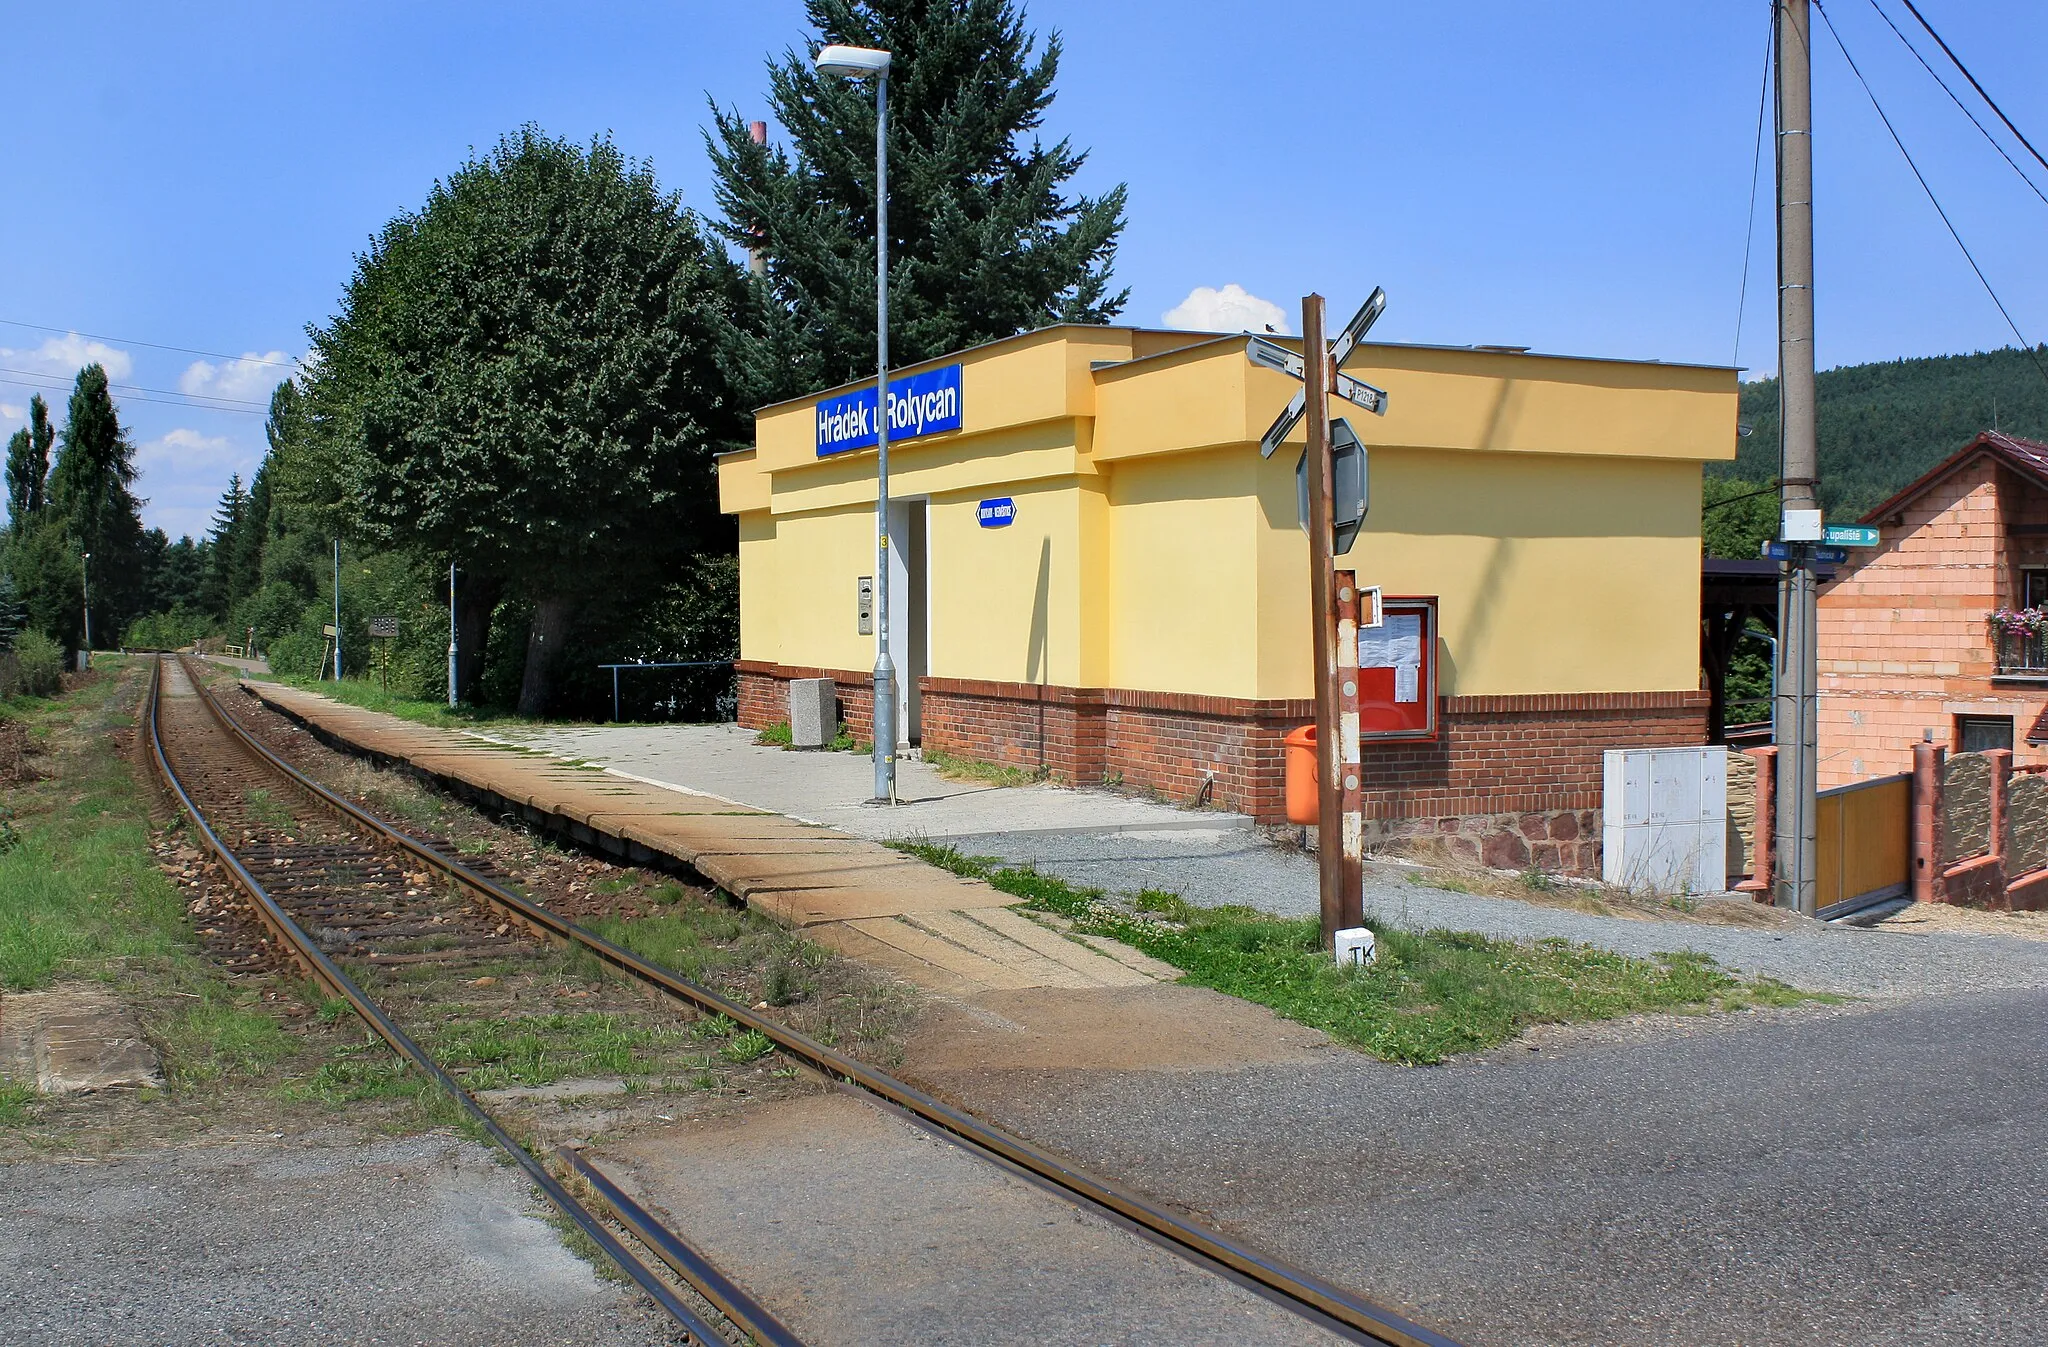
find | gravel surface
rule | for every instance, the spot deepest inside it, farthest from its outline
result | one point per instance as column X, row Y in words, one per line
column 1863, row 1175
column 422, row 1240
column 1214, row 863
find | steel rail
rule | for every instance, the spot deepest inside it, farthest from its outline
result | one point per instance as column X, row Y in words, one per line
column 331, row 975
column 1305, row 1293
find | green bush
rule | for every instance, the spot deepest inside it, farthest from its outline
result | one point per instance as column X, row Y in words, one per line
column 41, row 661
column 298, row 654
column 173, row 630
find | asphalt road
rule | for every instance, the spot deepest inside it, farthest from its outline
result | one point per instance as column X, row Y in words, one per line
column 1866, row 1175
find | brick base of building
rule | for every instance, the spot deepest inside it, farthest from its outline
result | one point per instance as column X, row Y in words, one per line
column 1509, row 781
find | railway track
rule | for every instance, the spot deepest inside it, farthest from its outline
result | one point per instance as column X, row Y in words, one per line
column 334, row 886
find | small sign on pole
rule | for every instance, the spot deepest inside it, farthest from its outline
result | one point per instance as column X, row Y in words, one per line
column 384, row 628
column 1849, row 535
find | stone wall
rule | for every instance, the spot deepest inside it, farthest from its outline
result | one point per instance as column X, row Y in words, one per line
column 1965, row 807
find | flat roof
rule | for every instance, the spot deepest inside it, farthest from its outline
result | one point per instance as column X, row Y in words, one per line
column 1201, row 339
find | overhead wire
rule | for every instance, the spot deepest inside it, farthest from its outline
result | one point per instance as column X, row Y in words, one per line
column 1981, row 92
column 58, row 381
column 1756, row 163
column 1982, row 129
column 1921, row 178
column 173, row 401
column 153, row 345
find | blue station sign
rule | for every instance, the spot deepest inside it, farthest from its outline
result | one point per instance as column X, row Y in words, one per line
column 998, row 513
column 924, row 403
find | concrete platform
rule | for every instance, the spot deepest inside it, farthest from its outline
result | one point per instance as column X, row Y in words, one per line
column 947, row 934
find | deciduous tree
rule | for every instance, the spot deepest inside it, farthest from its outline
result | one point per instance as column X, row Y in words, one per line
column 523, row 378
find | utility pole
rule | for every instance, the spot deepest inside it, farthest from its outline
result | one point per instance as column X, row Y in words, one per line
column 85, row 603
column 452, row 685
column 337, row 610
column 1797, row 696
column 1315, row 379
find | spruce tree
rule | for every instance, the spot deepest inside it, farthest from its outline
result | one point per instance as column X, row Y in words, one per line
column 983, row 241
column 225, row 540
column 90, row 493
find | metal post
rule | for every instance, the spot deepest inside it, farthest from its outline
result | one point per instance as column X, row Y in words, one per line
column 85, row 604
column 337, row 610
column 453, row 686
column 1323, row 613
column 1797, row 695
column 615, row 694
column 885, row 667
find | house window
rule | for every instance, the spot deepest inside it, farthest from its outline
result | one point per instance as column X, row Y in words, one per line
column 2034, row 587
column 1975, row 734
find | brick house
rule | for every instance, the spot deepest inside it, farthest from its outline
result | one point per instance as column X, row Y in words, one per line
column 1908, row 649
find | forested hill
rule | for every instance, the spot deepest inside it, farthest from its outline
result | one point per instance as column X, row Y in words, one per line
column 1883, row 424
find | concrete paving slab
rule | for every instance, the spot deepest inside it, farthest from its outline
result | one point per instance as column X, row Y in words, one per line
column 73, row 1040
column 856, row 1227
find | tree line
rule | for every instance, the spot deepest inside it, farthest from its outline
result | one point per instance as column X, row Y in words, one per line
column 530, row 376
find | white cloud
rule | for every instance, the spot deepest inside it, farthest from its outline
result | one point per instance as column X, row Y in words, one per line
column 10, row 412
column 62, row 358
column 183, row 448
column 250, row 377
column 1231, row 309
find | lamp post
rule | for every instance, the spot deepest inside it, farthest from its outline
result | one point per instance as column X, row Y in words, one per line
column 852, row 63
column 85, row 605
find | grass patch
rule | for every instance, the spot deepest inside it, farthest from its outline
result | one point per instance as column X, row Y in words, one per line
column 1431, row 995
column 15, row 1102
column 84, row 897
column 842, row 741
column 973, row 769
column 222, row 1036
column 371, row 696
column 542, row 1049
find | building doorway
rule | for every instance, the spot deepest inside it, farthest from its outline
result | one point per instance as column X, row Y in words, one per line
column 909, row 610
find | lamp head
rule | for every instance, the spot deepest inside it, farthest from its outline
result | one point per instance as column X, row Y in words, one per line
column 852, row 61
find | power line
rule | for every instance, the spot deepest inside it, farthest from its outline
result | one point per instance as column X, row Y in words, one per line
column 1981, row 128
column 1932, row 199
column 130, row 397
column 154, row 345
column 1948, row 52
column 56, row 381
column 1756, row 162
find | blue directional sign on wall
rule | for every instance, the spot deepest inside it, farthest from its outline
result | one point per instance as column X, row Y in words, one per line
column 924, row 403
column 1000, row 512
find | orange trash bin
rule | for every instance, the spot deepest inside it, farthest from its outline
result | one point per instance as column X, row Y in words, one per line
column 1304, row 780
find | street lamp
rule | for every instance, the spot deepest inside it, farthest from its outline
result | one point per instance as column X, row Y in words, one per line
column 85, row 603
column 852, row 63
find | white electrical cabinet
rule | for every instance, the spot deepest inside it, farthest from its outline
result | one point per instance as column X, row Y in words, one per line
column 1664, row 819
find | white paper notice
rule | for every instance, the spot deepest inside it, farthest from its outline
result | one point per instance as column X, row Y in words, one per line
column 1395, row 644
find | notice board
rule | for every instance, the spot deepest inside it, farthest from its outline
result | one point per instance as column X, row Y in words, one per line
column 1397, row 687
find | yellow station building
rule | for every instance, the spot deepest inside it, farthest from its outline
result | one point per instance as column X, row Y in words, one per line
column 1097, row 575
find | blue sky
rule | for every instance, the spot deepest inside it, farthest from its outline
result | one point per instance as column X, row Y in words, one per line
column 1568, row 177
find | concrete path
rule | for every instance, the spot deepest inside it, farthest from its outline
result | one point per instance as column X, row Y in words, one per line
column 947, row 934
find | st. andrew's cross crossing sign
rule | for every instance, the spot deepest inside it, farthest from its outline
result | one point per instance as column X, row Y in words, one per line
column 1275, row 356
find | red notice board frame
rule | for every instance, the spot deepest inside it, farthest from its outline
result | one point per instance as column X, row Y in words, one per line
column 1381, row 717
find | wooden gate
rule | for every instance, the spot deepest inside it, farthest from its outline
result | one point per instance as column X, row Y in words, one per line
column 1863, row 840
